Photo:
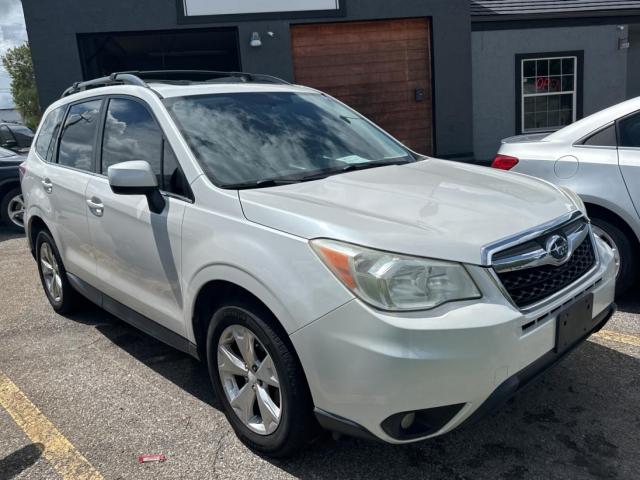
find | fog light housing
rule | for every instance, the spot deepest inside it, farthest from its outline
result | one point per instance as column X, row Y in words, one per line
column 419, row 423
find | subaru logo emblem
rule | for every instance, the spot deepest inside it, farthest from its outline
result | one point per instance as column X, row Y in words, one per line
column 557, row 247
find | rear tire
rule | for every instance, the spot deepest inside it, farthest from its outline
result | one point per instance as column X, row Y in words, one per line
column 53, row 276
column 296, row 424
column 617, row 240
column 12, row 209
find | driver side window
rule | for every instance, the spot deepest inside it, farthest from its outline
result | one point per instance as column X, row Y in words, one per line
column 131, row 133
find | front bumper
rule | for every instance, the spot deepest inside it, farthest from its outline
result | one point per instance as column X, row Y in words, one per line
column 365, row 366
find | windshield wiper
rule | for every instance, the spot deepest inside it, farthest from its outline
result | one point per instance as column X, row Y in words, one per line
column 353, row 167
column 268, row 182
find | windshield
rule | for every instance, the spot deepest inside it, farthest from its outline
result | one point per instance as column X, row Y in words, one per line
column 4, row 153
column 253, row 138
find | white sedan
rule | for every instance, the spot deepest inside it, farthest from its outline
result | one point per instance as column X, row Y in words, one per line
column 599, row 158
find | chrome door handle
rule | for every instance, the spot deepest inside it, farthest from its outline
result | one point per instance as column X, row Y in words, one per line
column 47, row 185
column 96, row 206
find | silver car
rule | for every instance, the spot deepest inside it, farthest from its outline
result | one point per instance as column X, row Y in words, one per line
column 599, row 158
column 324, row 272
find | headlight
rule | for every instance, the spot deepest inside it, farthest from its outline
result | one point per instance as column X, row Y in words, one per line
column 575, row 198
column 395, row 282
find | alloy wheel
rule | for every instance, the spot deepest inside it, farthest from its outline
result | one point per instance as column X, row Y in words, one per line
column 15, row 211
column 50, row 272
column 249, row 379
column 606, row 238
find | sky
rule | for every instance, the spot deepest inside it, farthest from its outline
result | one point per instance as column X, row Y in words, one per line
column 12, row 33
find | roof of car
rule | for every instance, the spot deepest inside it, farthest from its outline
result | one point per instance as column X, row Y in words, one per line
column 168, row 90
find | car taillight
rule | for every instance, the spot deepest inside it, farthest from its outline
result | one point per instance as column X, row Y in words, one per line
column 504, row 162
column 22, row 169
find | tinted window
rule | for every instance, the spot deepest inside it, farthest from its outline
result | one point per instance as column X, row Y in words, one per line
column 604, row 138
column 130, row 133
column 5, row 135
column 630, row 131
column 247, row 137
column 48, row 131
column 23, row 135
column 78, row 134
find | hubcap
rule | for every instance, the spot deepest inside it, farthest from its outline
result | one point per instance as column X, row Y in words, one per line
column 15, row 211
column 50, row 272
column 606, row 238
column 249, row 379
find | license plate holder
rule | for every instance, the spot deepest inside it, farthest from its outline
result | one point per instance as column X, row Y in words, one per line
column 574, row 322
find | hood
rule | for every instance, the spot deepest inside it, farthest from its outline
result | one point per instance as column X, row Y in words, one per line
column 432, row 208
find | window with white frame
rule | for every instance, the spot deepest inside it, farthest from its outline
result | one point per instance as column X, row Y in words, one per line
column 548, row 93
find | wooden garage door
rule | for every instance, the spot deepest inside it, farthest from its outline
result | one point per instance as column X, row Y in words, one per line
column 380, row 68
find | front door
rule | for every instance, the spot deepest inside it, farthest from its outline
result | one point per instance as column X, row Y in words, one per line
column 138, row 252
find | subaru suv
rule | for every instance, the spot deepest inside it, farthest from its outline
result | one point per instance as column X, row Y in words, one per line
column 325, row 273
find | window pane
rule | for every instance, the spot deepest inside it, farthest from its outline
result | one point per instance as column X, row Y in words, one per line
column 529, row 85
column 554, row 102
column 541, row 120
column 555, row 84
column 529, row 121
column 603, row 138
column 630, row 132
column 529, row 105
column 568, row 66
column 78, row 134
column 529, row 68
column 567, row 83
column 555, row 67
column 131, row 133
column 566, row 102
column 541, row 103
column 542, row 84
column 566, row 117
column 542, row 68
column 553, row 118
column 47, row 132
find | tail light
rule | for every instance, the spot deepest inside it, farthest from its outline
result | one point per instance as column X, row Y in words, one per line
column 22, row 169
column 504, row 162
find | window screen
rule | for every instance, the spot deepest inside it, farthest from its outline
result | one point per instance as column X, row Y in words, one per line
column 549, row 89
column 78, row 135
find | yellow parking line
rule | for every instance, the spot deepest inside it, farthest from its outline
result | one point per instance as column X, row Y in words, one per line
column 618, row 337
column 60, row 453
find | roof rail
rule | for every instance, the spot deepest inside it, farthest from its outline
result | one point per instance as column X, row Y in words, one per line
column 138, row 78
column 204, row 76
column 113, row 79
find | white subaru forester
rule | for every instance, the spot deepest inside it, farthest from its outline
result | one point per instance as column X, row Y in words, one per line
column 326, row 274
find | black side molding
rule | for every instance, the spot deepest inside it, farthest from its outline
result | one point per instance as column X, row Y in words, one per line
column 132, row 317
column 335, row 423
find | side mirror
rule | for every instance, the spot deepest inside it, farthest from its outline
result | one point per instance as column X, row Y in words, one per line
column 136, row 178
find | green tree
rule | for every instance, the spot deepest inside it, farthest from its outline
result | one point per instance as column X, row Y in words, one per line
column 18, row 63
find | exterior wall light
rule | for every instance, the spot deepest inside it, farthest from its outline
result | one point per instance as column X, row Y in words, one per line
column 255, row 40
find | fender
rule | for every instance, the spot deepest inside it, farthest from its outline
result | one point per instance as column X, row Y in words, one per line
column 241, row 278
column 621, row 211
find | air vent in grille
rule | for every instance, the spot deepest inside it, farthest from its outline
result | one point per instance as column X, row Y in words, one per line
column 530, row 285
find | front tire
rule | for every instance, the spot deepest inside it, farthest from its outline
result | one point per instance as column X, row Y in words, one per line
column 259, row 381
column 626, row 259
column 53, row 276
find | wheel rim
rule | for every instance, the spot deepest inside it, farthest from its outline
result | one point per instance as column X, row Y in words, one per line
column 606, row 238
column 50, row 272
column 15, row 211
column 249, row 379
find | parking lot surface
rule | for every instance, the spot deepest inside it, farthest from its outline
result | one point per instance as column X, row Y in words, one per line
column 83, row 397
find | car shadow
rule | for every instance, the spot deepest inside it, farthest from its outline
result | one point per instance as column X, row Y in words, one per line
column 577, row 421
column 9, row 233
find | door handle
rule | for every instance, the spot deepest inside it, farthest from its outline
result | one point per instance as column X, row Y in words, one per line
column 47, row 185
column 96, row 206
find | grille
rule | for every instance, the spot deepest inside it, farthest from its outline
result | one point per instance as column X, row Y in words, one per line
column 533, row 284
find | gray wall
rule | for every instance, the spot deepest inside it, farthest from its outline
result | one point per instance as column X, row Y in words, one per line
column 494, row 95
column 633, row 62
column 52, row 27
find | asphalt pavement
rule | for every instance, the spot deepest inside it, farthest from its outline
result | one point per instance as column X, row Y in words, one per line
column 88, row 394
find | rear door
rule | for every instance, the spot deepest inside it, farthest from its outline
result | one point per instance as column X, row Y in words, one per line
column 138, row 251
column 629, row 155
column 65, row 183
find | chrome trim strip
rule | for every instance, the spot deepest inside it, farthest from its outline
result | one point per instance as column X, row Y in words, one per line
column 540, row 256
column 487, row 252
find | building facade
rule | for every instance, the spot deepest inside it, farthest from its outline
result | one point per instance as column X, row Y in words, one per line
column 538, row 65
column 406, row 65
